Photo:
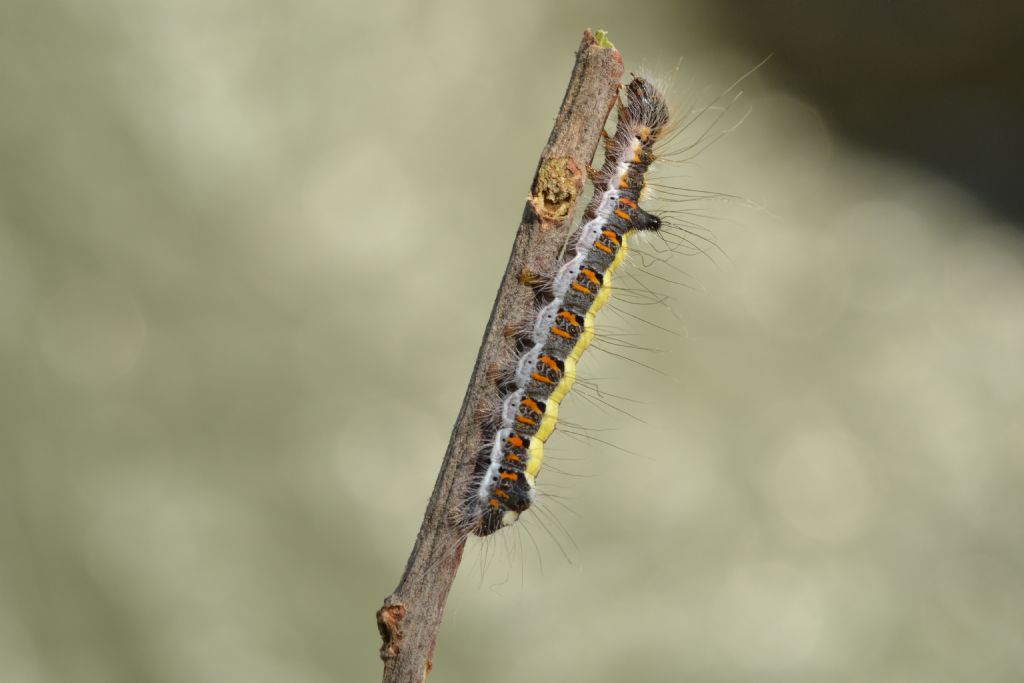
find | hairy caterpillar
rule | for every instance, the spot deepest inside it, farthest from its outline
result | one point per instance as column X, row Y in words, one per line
column 505, row 484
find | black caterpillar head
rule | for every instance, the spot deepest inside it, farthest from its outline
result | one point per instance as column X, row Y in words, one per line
column 643, row 220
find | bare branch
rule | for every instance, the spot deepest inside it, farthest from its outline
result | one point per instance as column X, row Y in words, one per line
column 410, row 618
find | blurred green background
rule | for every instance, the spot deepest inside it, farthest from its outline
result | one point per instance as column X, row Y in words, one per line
column 247, row 251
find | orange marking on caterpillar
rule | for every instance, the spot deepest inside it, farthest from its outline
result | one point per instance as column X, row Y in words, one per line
column 604, row 247
column 622, row 214
column 493, row 502
column 550, row 362
column 525, row 420
column 513, row 457
column 610, row 234
column 580, row 288
column 512, row 476
column 626, row 201
column 573, row 320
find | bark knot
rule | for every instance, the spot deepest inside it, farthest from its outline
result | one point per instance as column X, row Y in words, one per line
column 388, row 619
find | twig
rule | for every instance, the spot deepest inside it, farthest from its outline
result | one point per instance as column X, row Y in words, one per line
column 411, row 616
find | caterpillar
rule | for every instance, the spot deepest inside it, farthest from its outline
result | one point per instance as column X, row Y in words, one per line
column 513, row 451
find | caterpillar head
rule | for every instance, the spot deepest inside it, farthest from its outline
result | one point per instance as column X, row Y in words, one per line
column 643, row 220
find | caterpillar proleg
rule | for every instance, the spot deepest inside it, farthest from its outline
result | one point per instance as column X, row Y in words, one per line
column 544, row 373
